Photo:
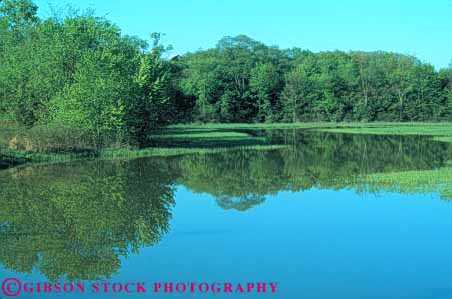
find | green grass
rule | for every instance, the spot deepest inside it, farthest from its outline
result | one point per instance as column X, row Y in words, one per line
column 190, row 134
column 209, row 135
column 438, row 131
column 201, row 138
column 17, row 158
column 169, row 142
column 443, row 139
column 267, row 126
column 165, row 152
column 441, row 131
column 307, row 125
column 416, row 181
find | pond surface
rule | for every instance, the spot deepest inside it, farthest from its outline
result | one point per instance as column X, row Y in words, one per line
column 304, row 215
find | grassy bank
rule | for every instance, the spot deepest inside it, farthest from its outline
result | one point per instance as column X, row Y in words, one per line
column 316, row 125
column 14, row 158
column 438, row 131
column 168, row 142
column 202, row 138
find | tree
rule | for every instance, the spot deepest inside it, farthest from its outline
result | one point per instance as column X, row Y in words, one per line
column 300, row 92
column 148, row 110
column 265, row 85
column 219, row 79
column 445, row 77
column 97, row 80
column 19, row 12
column 79, row 72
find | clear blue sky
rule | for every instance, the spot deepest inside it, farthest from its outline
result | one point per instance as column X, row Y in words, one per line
column 417, row 27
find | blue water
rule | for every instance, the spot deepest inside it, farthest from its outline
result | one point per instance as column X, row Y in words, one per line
column 299, row 216
column 315, row 244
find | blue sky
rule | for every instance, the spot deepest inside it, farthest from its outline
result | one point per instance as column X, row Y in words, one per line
column 420, row 28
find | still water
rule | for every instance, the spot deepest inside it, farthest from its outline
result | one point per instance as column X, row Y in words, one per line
column 300, row 214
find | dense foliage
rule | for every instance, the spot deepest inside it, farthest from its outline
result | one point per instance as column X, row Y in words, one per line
column 78, row 72
column 242, row 80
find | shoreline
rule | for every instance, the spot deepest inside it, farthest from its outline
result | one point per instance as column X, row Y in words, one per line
column 216, row 137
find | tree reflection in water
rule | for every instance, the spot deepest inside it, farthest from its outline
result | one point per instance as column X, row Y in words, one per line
column 76, row 220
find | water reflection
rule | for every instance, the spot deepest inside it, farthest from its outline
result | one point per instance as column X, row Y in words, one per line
column 76, row 220
column 241, row 179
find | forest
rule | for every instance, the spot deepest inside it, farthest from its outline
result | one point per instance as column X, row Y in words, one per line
column 79, row 77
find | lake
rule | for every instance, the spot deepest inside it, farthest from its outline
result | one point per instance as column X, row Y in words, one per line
column 323, row 215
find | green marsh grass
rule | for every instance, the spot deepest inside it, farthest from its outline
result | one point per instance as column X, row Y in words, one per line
column 58, row 145
column 417, row 181
column 440, row 131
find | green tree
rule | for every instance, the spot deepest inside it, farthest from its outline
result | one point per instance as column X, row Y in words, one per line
column 219, row 79
column 149, row 109
column 265, row 85
column 19, row 12
column 445, row 77
column 300, row 93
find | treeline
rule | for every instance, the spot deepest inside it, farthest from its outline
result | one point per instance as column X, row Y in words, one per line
column 242, row 80
column 79, row 72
